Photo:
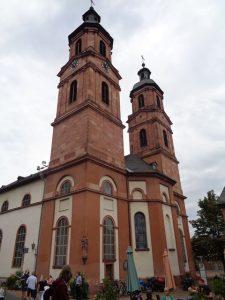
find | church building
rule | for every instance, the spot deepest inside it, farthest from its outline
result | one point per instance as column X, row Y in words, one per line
column 92, row 202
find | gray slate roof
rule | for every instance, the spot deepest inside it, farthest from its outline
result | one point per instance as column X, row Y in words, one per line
column 135, row 164
column 222, row 197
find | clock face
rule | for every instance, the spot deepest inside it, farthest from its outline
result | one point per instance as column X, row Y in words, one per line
column 74, row 64
column 105, row 66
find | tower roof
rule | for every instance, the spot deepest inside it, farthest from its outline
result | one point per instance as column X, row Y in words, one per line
column 91, row 20
column 91, row 16
column 145, row 80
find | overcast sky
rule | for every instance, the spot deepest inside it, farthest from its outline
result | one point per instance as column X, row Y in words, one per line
column 183, row 42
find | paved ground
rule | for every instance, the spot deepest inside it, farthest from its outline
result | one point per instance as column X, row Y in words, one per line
column 179, row 294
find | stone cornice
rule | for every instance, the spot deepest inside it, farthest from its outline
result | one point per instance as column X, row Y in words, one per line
column 93, row 53
column 88, row 104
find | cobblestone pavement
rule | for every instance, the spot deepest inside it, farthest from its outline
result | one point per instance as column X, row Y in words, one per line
column 178, row 294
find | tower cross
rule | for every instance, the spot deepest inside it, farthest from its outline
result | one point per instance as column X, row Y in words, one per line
column 143, row 59
column 92, row 3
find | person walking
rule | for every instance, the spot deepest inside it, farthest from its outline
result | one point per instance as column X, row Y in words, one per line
column 58, row 290
column 32, row 286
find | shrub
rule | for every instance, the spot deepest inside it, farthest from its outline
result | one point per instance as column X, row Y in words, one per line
column 13, row 282
column 108, row 291
column 218, row 286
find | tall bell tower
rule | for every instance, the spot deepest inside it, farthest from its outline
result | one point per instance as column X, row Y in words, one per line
column 88, row 113
column 149, row 130
column 86, row 170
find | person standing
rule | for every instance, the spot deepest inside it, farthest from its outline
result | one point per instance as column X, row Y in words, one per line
column 79, row 282
column 58, row 290
column 41, row 284
column 23, row 280
column 32, row 286
column 2, row 292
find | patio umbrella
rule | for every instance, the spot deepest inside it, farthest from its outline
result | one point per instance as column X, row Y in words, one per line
column 169, row 280
column 132, row 278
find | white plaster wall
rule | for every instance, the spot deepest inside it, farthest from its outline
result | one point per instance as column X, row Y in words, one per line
column 172, row 254
column 12, row 220
column 9, row 224
column 108, row 207
column 15, row 196
column 64, row 210
column 143, row 259
column 137, row 185
column 180, row 226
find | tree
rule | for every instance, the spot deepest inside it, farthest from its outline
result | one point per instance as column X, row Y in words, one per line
column 209, row 236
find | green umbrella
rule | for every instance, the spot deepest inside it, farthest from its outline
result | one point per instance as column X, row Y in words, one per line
column 133, row 284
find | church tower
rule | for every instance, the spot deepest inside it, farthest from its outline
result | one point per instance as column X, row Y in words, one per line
column 155, row 193
column 85, row 190
column 150, row 127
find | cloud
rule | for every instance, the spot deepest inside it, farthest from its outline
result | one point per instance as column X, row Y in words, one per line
column 183, row 43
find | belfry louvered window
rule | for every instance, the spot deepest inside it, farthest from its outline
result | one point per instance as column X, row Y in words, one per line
column 105, row 93
column 102, row 48
column 78, row 46
column 73, row 91
column 143, row 138
column 165, row 138
column 141, row 101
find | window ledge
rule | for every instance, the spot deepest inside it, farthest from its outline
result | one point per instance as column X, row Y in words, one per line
column 142, row 249
column 57, row 267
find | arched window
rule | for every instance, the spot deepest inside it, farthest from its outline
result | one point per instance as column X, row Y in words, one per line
column 169, row 233
column 158, row 102
column 143, row 138
column 182, row 245
column 61, row 242
column 19, row 247
column 102, row 48
column 165, row 138
column 78, row 46
column 0, row 239
column 73, row 91
column 65, row 187
column 141, row 101
column 164, row 197
column 26, row 200
column 177, row 209
column 140, row 231
column 108, row 239
column 5, row 206
column 105, row 93
column 107, row 187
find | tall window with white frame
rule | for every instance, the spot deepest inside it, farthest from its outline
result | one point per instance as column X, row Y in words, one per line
column 61, row 242
column 108, row 246
column 140, row 231
column 19, row 247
